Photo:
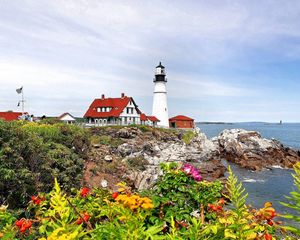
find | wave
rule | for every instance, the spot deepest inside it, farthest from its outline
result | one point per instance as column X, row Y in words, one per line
column 277, row 166
column 250, row 180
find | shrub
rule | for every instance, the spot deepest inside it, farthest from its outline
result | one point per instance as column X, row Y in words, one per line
column 294, row 202
column 99, row 214
column 31, row 154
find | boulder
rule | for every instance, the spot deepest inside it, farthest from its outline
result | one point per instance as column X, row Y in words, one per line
column 125, row 149
column 128, row 133
column 250, row 150
column 108, row 158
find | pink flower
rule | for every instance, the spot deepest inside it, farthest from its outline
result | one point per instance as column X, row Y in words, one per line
column 187, row 168
column 190, row 170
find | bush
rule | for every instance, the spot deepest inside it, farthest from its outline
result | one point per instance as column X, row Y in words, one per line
column 294, row 203
column 31, row 154
column 181, row 206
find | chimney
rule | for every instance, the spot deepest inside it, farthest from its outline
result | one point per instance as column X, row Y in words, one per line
column 122, row 95
column 102, row 96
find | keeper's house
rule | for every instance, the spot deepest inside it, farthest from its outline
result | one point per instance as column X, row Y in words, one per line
column 116, row 111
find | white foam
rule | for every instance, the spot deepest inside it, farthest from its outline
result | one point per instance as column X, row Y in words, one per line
column 277, row 166
column 250, row 180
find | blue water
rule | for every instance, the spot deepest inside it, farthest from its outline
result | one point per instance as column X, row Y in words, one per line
column 267, row 185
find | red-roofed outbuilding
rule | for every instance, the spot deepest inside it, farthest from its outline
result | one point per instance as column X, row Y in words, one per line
column 181, row 121
column 11, row 116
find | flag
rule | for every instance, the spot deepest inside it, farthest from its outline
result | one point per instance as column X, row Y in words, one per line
column 19, row 90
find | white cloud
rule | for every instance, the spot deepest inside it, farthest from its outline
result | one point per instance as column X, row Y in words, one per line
column 67, row 52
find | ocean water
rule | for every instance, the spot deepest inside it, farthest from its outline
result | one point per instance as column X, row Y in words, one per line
column 267, row 185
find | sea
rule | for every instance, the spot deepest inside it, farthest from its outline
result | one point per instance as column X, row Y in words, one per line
column 266, row 185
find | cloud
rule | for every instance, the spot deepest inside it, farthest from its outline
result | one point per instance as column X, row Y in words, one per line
column 67, row 52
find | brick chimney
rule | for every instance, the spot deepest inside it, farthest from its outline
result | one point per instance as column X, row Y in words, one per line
column 122, row 95
column 102, row 96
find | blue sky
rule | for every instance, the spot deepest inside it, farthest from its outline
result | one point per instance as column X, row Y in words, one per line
column 225, row 60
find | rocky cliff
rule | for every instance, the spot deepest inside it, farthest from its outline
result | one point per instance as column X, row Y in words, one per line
column 133, row 154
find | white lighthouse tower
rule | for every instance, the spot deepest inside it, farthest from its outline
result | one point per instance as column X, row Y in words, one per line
column 160, row 107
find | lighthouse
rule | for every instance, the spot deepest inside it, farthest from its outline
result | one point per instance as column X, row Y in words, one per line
column 160, row 106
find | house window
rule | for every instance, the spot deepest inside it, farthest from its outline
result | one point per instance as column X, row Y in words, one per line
column 131, row 110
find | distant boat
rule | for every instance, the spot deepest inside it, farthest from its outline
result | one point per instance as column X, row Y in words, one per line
column 280, row 122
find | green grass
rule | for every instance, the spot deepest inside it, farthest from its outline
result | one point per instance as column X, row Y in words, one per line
column 188, row 136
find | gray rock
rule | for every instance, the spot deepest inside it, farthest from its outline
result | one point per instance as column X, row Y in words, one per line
column 104, row 183
column 128, row 132
column 125, row 149
column 108, row 158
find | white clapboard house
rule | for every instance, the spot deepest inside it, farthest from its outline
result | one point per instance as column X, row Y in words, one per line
column 116, row 111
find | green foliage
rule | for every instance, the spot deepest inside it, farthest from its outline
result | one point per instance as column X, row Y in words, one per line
column 32, row 154
column 236, row 194
column 98, row 214
column 178, row 194
column 58, row 219
column 238, row 222
column 143, row 128
column 294, row 202
column 188, row 136
column 106, row 140
column 7, row 223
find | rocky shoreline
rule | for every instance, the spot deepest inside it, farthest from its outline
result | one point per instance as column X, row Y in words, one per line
column 134, row 153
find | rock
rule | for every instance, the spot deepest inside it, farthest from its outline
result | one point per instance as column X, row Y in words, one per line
column 144, row 179
column 128, row 132
column 249, row 150
column 108, row 158
column 125, row 149
column 96, row 145
column 104, row 183
column 212, row 170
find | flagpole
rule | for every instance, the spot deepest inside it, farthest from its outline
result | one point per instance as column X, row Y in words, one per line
column 22, row 101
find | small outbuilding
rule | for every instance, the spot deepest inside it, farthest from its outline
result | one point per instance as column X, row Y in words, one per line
column 181, row 121
column 67, row 118
column 13, row 116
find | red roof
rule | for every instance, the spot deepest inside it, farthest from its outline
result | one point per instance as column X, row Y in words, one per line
column 181, row 118
column 10, row 116
column 117, row 106
column 151, row 118
column 143, row 117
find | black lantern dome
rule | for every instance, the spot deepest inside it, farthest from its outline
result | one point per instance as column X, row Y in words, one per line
column 160, row 73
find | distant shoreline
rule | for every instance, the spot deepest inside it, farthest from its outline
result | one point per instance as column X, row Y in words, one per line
column 264, row 123
column 214, row 123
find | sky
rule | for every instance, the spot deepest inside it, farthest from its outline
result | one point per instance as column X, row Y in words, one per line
column 225, row 60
